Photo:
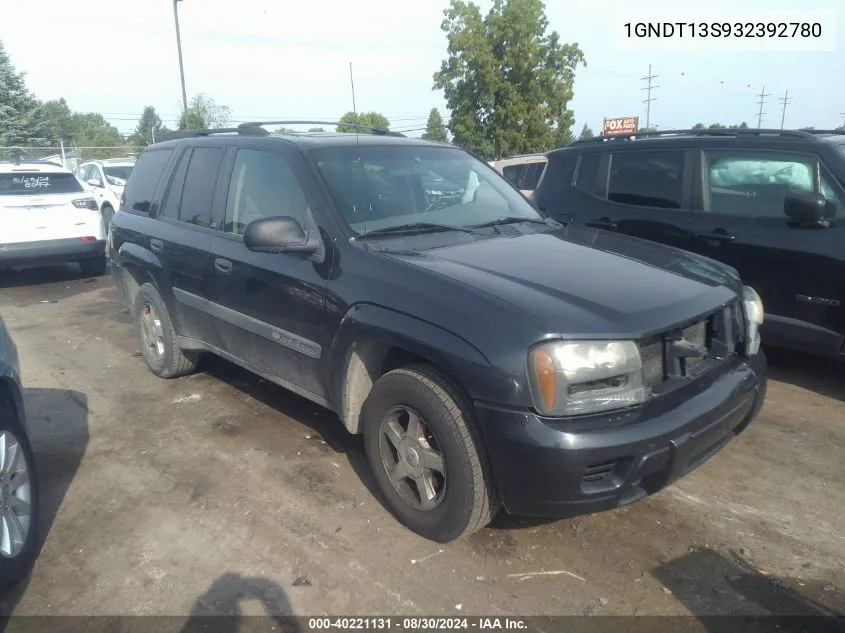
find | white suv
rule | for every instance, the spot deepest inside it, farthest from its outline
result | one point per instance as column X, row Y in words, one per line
column 106, row 179
column 48, row 217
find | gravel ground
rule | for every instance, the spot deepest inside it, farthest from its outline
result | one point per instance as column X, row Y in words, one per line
column 221, row 493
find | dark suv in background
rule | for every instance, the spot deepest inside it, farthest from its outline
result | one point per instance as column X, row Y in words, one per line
column 489, row 356
column 770, row 203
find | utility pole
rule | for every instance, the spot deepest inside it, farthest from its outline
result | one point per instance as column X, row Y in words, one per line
column 763, row 95
column 352, row 84
column 647, row 101
column 785, row 101
column 181, row 67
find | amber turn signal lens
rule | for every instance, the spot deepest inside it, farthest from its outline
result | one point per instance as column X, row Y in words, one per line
column 544, row 372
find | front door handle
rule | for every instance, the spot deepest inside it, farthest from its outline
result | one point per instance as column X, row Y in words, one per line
column 223, row 265
column 717, row 234
column 603, row 223
column 156, row 244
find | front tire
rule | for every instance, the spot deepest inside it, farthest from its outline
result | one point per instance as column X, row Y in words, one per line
column 158, row 338
column 19, row 503
column 426, row 454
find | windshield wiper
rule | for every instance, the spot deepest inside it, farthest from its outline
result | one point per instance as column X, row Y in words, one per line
column 508, row 220
column 414, row 227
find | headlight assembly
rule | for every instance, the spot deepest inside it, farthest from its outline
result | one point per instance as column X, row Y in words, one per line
column 579, row 377
column 752, row 307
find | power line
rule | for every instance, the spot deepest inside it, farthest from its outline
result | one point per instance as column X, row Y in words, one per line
column 785, row 101
column 647, row 101
column 763, row 95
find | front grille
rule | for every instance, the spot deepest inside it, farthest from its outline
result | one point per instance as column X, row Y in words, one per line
column 674, row 354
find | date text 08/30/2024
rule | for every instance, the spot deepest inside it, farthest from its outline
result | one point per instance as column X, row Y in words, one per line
column 416, row 623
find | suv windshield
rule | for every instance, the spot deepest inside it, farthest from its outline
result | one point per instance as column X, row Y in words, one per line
column 37, row 183
column 376, row 188
column 118, row 174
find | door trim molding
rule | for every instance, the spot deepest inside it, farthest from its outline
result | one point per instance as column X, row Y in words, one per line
column 260, row 328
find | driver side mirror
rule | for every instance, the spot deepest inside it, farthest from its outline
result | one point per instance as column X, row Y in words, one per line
column 94, row 182
column 805, row 207
column 281, row 234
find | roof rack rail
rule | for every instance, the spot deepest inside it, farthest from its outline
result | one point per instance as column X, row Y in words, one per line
column 380, row 131
column 838, row 132
column 171, row 136
column 703, row 132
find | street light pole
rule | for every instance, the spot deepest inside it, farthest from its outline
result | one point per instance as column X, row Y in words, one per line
column 181, row 67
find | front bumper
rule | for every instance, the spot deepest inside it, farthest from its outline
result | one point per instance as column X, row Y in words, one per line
column 50, row 252
column 558, row 468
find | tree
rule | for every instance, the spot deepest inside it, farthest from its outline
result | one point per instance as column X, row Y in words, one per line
column 373, row 119
column 586, row 133
column 698, row 126
column 435, row 129
column 741, row 126
column 205, row 113
column 507, row 81
column 715, row 126
column 316, row 129
column 807, row 129
column 149, row 127
column 21, row 123
column 91, row 130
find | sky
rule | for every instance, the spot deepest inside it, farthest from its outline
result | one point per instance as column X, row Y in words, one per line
column 274, row 59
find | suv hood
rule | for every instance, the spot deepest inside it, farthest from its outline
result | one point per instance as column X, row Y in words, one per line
column 588, row 282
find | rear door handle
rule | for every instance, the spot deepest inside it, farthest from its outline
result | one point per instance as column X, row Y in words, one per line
column 223, row 265
column 717, row 234
column 156, row 244
column 602, row 223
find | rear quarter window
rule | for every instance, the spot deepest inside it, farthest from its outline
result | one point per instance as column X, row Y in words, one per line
column 143, row 182
column 38, row 183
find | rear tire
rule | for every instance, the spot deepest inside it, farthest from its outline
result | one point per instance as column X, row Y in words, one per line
column 95, row 267
column 18, row 557
column 157, row 337
column 436, row 481
column 108, row 214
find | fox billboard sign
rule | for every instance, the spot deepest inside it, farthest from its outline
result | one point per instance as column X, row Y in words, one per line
column 620, row 126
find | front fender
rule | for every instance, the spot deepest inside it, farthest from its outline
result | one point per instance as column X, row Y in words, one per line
column 386, row 327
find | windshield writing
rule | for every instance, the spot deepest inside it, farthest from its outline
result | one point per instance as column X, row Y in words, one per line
column 34, row 184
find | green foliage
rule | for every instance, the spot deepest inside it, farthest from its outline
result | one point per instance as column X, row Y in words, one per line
column 507, row 80
column 373, row 119
column 149, row 128
column 719, row 126
column 807, row 129
column 586, row 133
column 21, row 123
column 435, row 129
column 316, row 129
column 92, row 130
column 204, row 113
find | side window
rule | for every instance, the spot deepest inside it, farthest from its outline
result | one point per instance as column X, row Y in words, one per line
column 532, row 176
column 198, row 192
column 651, row 178
column 262, row 185
column 142, row 185
column 754, row 184
column 82, row 174
column 512, row 173
column 587, row 178
column 173, row 199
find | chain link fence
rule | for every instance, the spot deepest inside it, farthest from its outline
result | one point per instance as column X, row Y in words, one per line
column 69, row 156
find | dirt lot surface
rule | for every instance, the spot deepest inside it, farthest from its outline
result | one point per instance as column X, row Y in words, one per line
column 220, row 492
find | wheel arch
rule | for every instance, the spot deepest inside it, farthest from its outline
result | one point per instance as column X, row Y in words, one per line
column 373, row 340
